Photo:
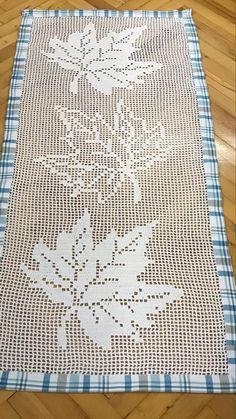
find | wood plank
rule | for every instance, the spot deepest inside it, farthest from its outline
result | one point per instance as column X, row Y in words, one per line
column 7, row 412
column 96, row 406
column 125, row 403
column 12, row 4
column 154, row 406
column 220, row 74
column 224, row 124
column 29, row 406
column 231, row 232
column 8, row 40
column 61, row 406
column 188, row 406
column 224, row 406
column 101, row 4
column 4, row 395
column 228, row 188
column 208, row 34
column 7, row 16
column 232, row 252
column 81, row 4
column 226, row 90
column 226, row 169
column 220, row 96
column 212, row 16
column 229, row 209
column 4, row 95
column 6, row 66
column 5, row 80
column 170, row 5
column 145, row 5
column 8, row 51
column 8, row 27
column 207, row 413
column 220, row 8
column 227, row 4
column 204, row 19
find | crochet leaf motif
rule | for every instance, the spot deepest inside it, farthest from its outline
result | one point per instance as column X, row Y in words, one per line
column 98, row 284
column 106, row 63
column 104, row 153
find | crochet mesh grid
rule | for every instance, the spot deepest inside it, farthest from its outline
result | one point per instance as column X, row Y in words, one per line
column 188, row 336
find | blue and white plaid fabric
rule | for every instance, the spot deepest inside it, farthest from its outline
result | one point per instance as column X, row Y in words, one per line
column 122, row 383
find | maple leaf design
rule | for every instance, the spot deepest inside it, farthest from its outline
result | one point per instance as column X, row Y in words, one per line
column 106, row 63
column 98, row 283
column 103, row 154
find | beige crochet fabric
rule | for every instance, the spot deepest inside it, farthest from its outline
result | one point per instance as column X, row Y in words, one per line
column 108, row 264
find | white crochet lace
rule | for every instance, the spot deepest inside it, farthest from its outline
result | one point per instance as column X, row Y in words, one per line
column 108, row 265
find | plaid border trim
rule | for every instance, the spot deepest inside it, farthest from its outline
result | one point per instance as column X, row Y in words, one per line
column 129, row 383
column 217, row 224
column 108, row 13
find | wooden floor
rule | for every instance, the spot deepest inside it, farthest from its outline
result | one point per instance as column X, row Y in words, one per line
column 215, row 23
